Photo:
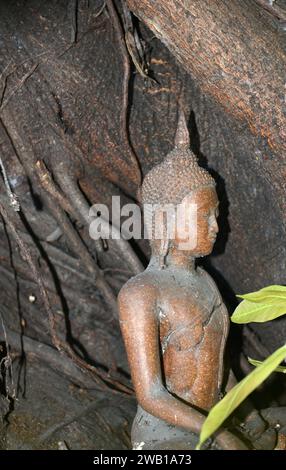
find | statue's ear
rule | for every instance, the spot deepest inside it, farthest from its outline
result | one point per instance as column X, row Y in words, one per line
column 164, row 249
column 139, row 195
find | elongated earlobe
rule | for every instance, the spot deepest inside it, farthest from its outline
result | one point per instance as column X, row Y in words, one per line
column 164, row 248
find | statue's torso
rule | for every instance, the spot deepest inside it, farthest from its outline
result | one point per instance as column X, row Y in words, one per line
column 193, row 327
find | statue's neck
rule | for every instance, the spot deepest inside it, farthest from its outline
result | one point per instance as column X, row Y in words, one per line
column 177, row 259
column 180, row 259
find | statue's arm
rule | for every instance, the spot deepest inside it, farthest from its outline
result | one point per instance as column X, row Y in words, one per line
column 139, row 325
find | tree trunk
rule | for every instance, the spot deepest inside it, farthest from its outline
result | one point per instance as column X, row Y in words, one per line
column 232, row 53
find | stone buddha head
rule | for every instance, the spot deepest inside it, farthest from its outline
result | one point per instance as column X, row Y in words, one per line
column 183, row 193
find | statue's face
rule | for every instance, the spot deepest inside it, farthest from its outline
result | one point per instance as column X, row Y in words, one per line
column 198, row 230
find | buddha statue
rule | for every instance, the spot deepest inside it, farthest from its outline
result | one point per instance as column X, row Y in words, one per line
column 173, row 320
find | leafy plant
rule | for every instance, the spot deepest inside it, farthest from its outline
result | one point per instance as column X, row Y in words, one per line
column 261, row 306
column 256, row 363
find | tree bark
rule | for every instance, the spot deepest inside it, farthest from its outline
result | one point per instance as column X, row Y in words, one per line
column 235, row 55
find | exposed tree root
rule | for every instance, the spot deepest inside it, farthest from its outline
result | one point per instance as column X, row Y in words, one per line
column 100, row 377
column 70, row 187
column 125, row 86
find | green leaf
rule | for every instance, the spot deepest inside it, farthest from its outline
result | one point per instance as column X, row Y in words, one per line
column 270, row 295
column 233, row 399
column 248, row 311
column 264, row 305
column 256, row 363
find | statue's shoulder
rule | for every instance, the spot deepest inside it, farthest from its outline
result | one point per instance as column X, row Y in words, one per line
column 211, row 282
column 206, row 275
column 139, row 288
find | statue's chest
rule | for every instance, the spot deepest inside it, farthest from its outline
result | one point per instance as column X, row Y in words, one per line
column 182, row 298
column 188, row 312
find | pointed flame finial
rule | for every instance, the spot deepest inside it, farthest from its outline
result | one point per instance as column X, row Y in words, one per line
column 182, row 137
